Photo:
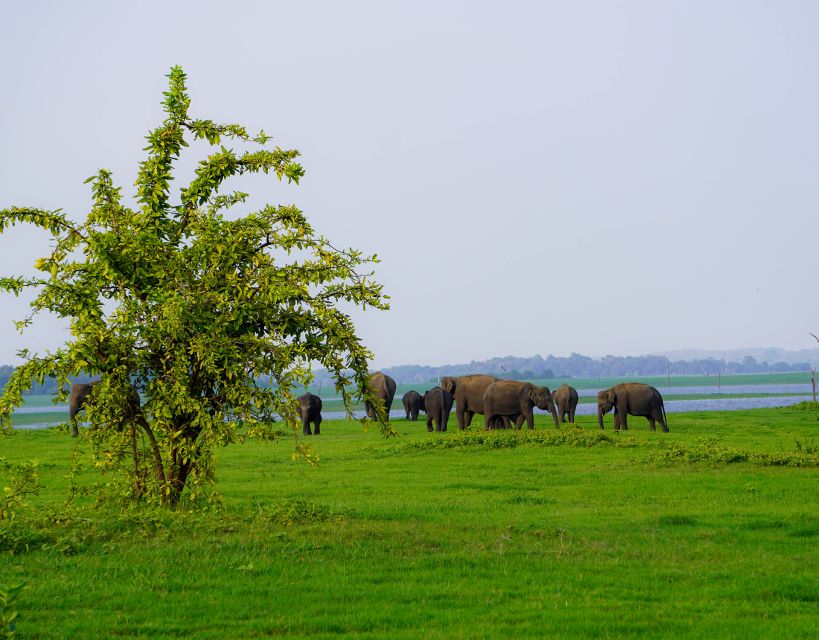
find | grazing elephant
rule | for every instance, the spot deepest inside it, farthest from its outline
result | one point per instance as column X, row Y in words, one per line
column 634, row 398
column 412, row 404
column 565, row 399
column 80, row 393
column 468, row 393
column 310, row 410
column 511, row 398
column 384, row 389
column 438, row 405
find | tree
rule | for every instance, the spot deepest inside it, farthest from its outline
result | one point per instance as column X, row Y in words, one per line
column 191, row 307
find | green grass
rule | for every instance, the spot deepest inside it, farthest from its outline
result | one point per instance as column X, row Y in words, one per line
column 544, row 534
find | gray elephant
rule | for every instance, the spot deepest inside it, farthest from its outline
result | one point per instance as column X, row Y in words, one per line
column 565, row 399
column 468, row 393
column 510, row 398
column 632, row 398
column 384, row 389
column 438, row 405
column 310, row 410
column 80, row 394
column 412, row 404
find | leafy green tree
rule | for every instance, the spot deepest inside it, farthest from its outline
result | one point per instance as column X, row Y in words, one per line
column 190, row 307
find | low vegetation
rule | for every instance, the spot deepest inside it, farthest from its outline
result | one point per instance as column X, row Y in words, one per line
column 708, row 531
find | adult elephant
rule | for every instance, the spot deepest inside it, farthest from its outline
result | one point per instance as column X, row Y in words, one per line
column 412, row 404
column 632, row 398
column 384, row 389
column 438, row 405
column 468, row 393
column 565, row 399
column 513, row 399
column 80, row 394
column 310, row 410
column 83, row 392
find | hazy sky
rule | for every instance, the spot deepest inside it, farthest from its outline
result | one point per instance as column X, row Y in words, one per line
column 597, row 177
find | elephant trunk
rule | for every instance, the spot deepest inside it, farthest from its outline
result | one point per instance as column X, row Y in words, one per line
column 600, row 417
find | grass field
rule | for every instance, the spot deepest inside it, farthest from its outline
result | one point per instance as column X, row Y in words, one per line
column 709, row 531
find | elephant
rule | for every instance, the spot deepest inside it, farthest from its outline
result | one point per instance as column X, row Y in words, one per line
column 438, row 404
column 384, row 389
column 468, row 393
column 565, row 399
column 412, row 404
column 310, row 410
column 80, row 393
column 510, row 398
column 633, row 398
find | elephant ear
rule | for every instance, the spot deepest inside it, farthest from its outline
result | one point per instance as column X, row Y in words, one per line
column 611, row 396
column 448, row 384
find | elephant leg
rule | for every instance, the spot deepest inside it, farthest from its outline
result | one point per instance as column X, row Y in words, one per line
column 429, row 422
column 651, row 426
column 305, row 427
column 624, row 421
column 488, row 421
column 658, row 416
column 468, row 415
column 75, row 430
column 460, row 416
column 317, row 422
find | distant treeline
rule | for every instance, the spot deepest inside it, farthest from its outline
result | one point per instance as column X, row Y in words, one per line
column 578, row 366
column 49, row 385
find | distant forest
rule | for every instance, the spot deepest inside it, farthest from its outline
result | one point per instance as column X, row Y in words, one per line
column 536, row 367
column 578, row 366
column 49, row 385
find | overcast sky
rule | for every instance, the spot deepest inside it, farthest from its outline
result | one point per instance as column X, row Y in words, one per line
column 591, row 177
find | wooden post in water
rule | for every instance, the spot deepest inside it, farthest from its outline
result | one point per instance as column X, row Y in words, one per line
column 668, row 371
column 813, row 381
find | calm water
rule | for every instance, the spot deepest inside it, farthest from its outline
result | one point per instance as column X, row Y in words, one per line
column 746, row 388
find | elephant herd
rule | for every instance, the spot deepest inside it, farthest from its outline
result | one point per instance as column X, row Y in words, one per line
column 501, row 402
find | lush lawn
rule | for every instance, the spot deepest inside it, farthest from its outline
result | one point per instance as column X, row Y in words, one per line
column 439, row 536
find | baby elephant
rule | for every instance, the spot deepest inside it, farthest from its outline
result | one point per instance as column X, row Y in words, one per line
column 632, row 398
column 412, row 404
column 438, row 405
column 565, row 398
column 310, row 409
